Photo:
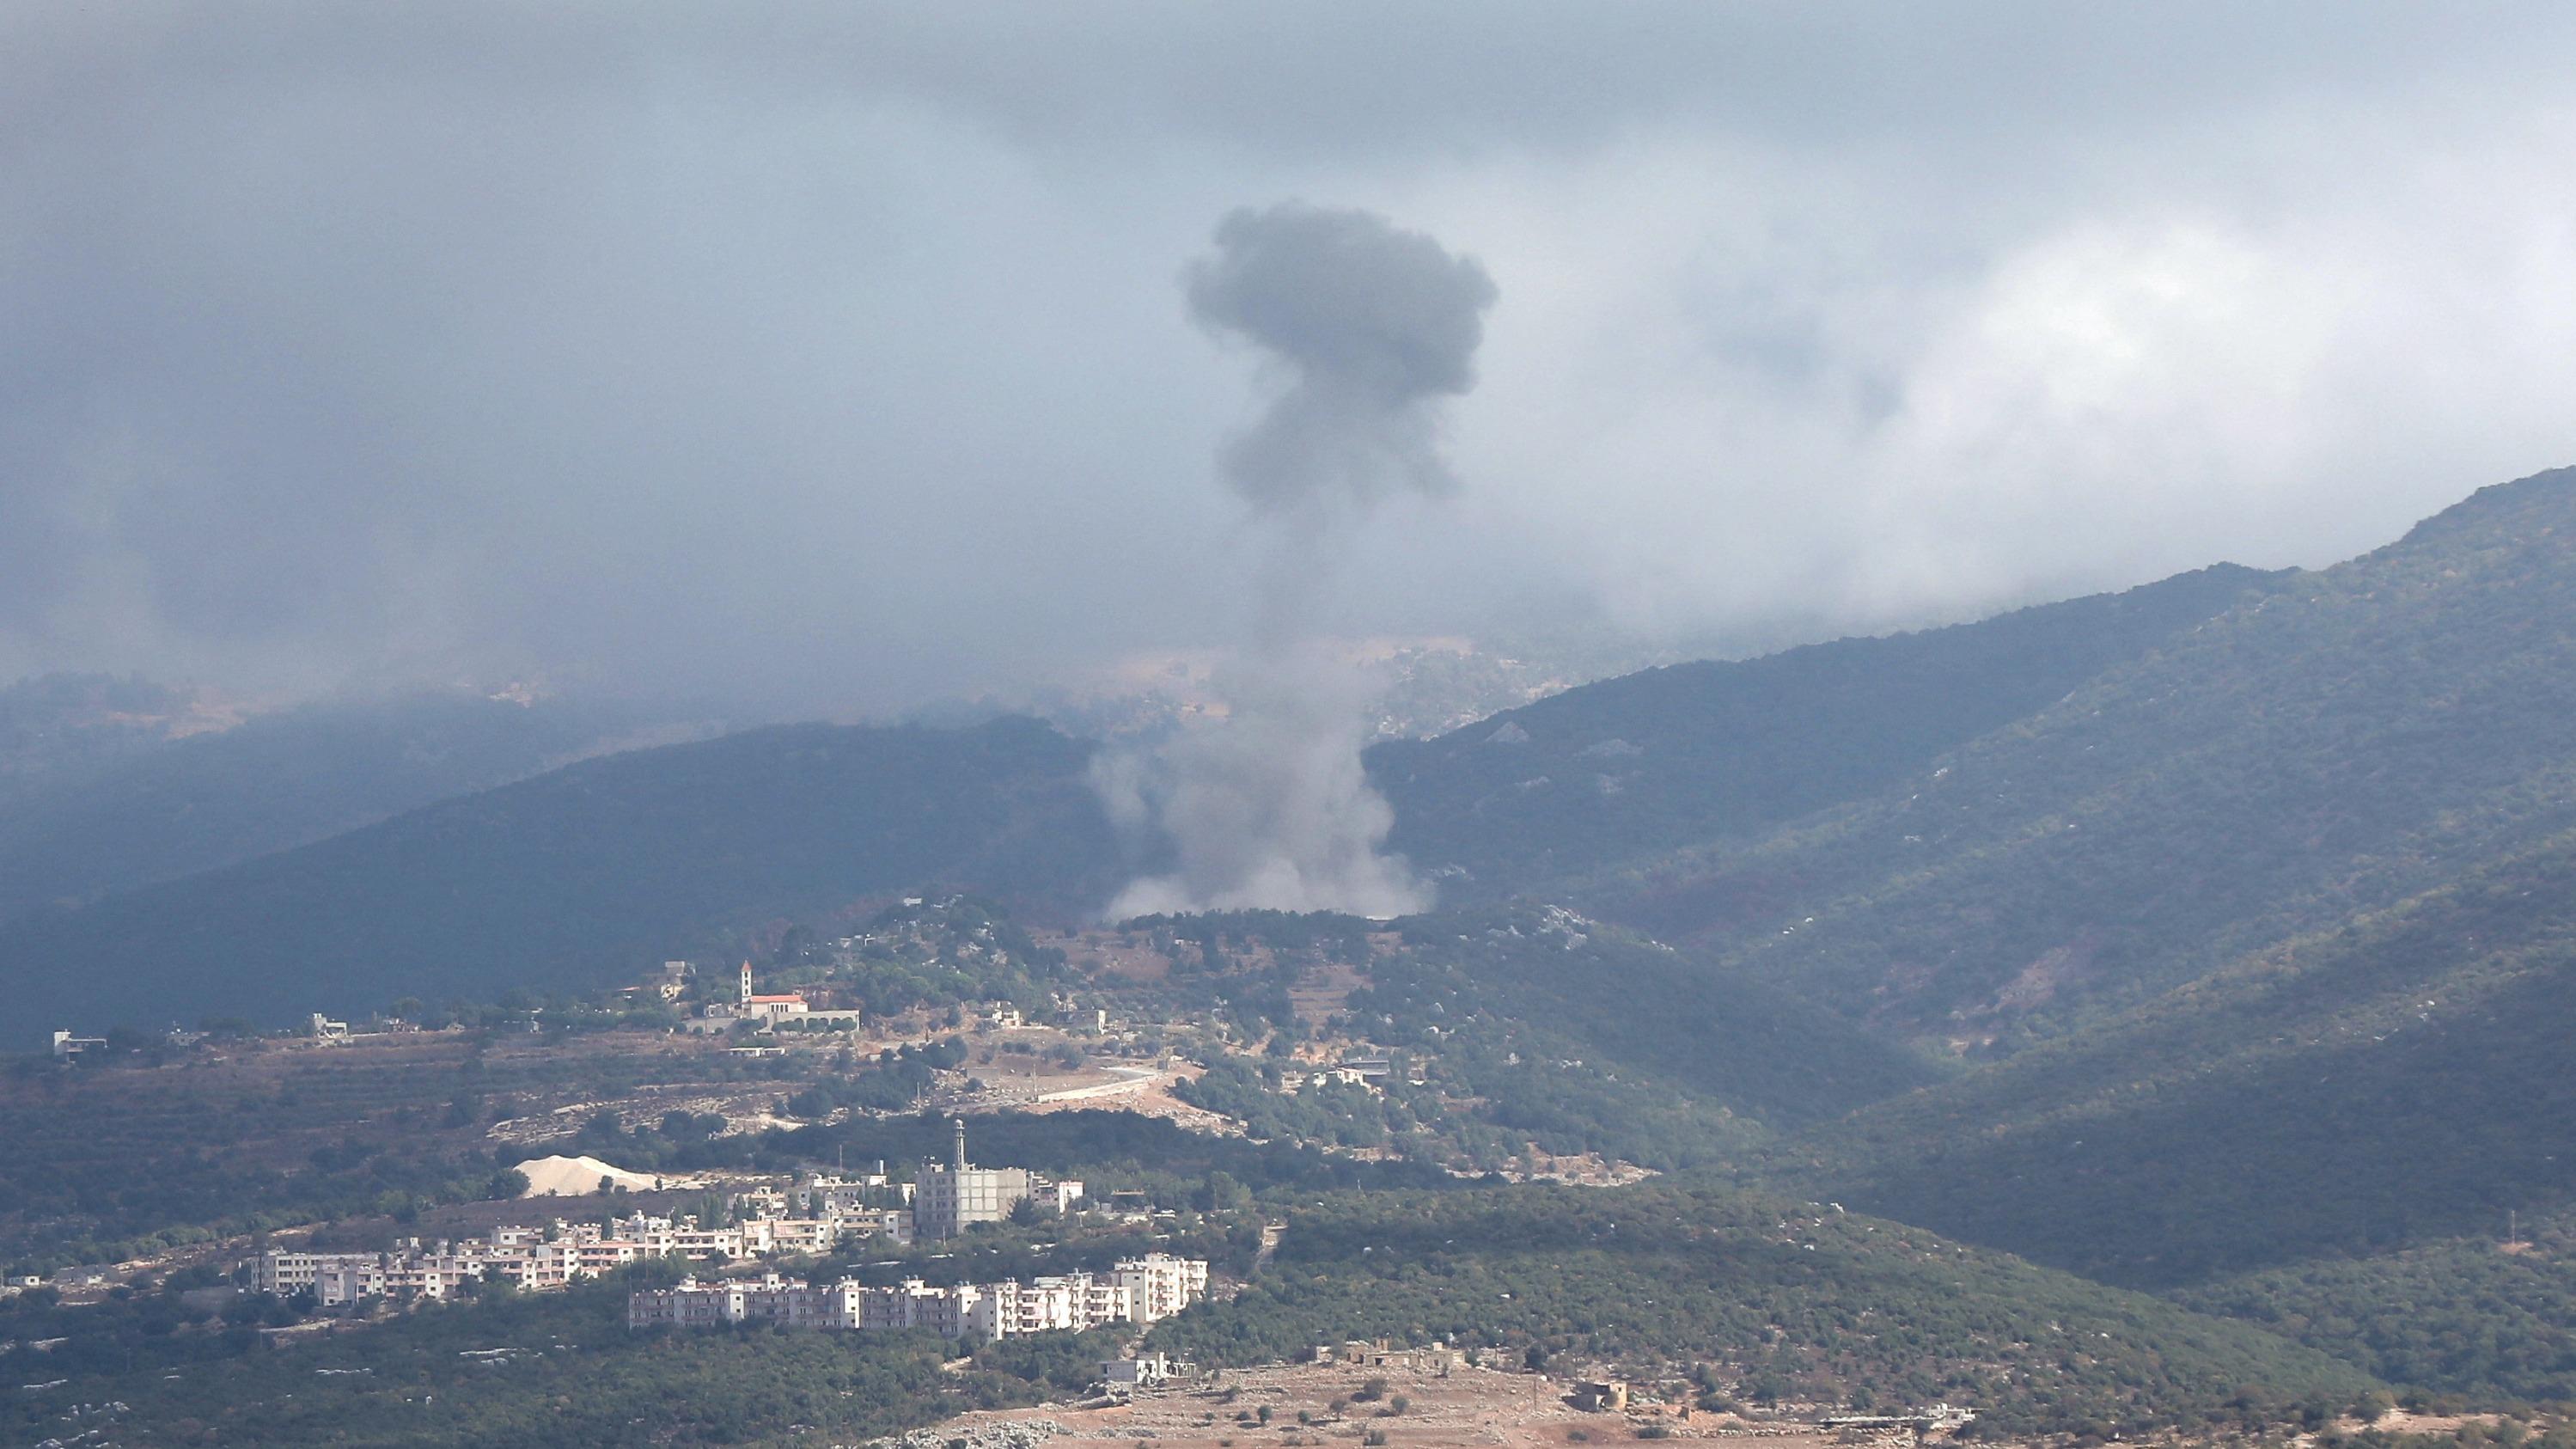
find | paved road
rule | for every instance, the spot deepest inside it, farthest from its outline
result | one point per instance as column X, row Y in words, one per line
column 1138, row 1079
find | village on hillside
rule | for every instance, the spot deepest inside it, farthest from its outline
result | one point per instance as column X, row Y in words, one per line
column 658, row 1134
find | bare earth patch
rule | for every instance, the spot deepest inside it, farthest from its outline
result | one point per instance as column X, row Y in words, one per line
column 1469, row 1407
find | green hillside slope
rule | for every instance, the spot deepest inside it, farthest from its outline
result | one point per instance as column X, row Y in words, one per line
column 2355, row 737
column 578, row 876
column 1587, row 1039
column 1781, row 1299
column 1621, row 769
column 2474, row 1316
column 2402, row 1079
column 1527, row 1025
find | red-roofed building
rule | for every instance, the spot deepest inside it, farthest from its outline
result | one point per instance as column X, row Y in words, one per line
column 789, row 1004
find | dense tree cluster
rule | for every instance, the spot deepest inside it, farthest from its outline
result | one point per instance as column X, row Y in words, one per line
column 2464, row 1320
column 895, row 1081
column 2398, row 1081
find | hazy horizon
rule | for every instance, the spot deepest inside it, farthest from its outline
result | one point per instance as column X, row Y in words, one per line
column 841, row 366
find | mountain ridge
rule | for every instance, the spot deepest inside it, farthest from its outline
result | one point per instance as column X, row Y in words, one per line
column 585, row 875
column 1611, row 771
column 2339, row 742
column 149, row 800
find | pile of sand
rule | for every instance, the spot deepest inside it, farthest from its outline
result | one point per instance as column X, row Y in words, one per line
column 579, row 1177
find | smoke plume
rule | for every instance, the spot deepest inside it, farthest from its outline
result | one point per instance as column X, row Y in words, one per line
column 1366, row 329
column 1375, row 326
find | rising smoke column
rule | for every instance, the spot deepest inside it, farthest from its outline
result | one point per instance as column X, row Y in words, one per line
column 1367, row 329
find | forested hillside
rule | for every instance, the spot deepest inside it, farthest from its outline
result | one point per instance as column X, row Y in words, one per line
column 1790, row 1300
column 1527, row 1027
column 580, row 876
column 1619, row 770
column 1591, row 1040
column 2481, row 1316
column 2401, row 1079
column 2265, row 938
column 2353, row 738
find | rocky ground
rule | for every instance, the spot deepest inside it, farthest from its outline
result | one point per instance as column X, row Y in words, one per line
column 1468, row 1407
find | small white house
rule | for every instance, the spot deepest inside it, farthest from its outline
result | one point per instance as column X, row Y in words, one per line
column 1140, row 1372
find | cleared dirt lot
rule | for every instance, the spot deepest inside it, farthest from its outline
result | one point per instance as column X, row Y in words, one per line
column 1469, row 1406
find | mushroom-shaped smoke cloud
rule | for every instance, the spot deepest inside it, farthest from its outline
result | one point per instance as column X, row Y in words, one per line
column 1377, row 325
column 1370, row 329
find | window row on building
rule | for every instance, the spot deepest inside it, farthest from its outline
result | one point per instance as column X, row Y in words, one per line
column 1137, row 1290
column 541, row 1259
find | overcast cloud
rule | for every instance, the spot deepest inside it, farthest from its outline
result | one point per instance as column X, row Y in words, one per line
column 835, row 357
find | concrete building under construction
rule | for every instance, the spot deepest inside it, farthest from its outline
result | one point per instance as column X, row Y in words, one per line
column 948, row 1197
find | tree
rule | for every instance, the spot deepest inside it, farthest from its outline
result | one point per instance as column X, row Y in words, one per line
column 1225, row 1192
column 508, row 1182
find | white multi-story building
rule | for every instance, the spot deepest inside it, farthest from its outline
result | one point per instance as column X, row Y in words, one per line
column 820, row 1194
column 287, row 1274
column 1138, row 1290
column 540, row 1259
column 764, row 1236
column 513, row 1255
column 1162, row 1284
column 948, row 1312
column 948, row 1197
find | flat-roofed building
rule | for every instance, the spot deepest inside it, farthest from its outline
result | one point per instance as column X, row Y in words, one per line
column 948, row 1197
column 1140, row 1291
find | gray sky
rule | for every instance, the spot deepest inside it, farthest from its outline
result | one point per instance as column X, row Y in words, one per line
column 836, row 356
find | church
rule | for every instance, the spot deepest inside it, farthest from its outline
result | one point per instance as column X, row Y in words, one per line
column 773, row 1007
